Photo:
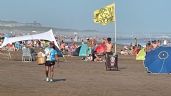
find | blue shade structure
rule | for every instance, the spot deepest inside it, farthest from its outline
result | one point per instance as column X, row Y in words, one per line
column 158, row 60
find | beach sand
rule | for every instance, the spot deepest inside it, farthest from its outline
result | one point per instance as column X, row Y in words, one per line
column 74, row 77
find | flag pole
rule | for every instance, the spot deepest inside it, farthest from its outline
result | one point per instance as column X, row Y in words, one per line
column 115, row 37
column 115, row 26
column 115, row 54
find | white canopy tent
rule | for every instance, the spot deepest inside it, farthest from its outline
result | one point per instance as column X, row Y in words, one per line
column 42, row 36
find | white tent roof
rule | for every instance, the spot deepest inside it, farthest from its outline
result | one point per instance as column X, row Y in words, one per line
column 42, row 36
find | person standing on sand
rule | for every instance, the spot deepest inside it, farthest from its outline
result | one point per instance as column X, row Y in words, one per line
column 109, row 46
column 111, row 61
column 62, row 46
column 51, row 57
column 108, row 50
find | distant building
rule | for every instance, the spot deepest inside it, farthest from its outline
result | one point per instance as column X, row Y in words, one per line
column 16, row 24
column 34, row 24
column 8, row 23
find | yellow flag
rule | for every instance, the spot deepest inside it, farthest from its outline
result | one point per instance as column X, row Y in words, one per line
column 105, row 15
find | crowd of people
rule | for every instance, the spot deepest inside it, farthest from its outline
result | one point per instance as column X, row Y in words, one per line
column 93, row 51
column 131, row 50
column 150, row 45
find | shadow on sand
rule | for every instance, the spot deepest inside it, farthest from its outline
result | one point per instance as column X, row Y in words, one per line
column 58, row 80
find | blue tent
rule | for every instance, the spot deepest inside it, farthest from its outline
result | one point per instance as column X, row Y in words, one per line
column 158, row 60
column 83, row 50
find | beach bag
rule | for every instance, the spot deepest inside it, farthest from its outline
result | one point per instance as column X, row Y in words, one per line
column 41, row 58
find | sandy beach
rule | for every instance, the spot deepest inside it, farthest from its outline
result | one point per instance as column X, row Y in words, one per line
column 74, row 77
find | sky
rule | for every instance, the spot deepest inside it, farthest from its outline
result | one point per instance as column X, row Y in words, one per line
column 132, row 16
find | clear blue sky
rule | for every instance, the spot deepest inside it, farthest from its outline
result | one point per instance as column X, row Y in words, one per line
column 133, row 16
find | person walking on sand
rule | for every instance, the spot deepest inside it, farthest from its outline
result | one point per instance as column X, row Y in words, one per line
column 51, row 57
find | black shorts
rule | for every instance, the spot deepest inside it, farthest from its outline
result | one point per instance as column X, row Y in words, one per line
column 49, row 63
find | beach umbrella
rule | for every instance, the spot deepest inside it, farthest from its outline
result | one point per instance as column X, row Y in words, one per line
column 158, row 60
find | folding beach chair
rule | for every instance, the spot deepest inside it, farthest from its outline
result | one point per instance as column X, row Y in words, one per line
column 26, row 54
